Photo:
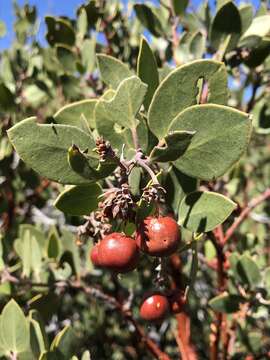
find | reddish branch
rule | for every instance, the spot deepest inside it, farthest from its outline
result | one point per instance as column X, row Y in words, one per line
column 219, row 330
column 182, row 335
column 245, row 213
column 99, row 294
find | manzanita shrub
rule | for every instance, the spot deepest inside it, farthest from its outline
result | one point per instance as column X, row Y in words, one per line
column 134, row 169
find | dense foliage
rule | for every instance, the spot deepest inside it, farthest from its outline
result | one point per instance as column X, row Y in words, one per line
column 108, row 138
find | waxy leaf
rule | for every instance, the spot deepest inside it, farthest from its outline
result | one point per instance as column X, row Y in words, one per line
column 226, row 303
column 178, row 185
column 31, row 254
column 248, row 271
column 66, row 58
column 221, row 138
column 82, row 164
column 7, row 100
column 179, row 90
column 37, row 338
column 224, row 31
column 112, row 71
column 44, row 148
column 204, row 211
column 147, row 70
column 79, row 200
column 124, row 106
column 64, row 342
column 246, row 14
column 88, row 54
column 59, row 31
column 148, row 19
column 79, row 113
column 179, row 6
column 259, row 28
column 14, row 328
column 175, row 145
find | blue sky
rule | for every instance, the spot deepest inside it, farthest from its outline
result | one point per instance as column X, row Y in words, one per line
column 52, row 7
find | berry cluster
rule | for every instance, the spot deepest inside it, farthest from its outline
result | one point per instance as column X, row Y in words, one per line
column 155, row 235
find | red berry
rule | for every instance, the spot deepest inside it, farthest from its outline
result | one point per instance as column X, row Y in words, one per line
column 118, row 253
column 158, row 236
column 154, row 308
column 94, row 255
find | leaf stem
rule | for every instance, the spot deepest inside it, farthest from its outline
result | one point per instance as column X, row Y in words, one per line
column 143, row 163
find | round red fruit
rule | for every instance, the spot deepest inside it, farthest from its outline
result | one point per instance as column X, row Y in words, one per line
column 154, row 308
column 158, row 236
column 118, row 253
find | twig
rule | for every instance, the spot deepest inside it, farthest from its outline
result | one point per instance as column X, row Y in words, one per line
column 110, row 300
column 182, row 335
column 245, row 212
column 141, row 162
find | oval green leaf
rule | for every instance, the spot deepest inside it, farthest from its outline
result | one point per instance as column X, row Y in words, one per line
column 179, row 90
column 44, row 148
column 221, row 138
column 15, row 333
column 203, row 211
column 78, row 200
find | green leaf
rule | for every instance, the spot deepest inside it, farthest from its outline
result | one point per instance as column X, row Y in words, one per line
column 88, row 54
column 246, row 14
column 44, row 148
column 59, row 31
column 34, row 232
column 79, row 200
column 221, row 138
column 204, row 211
column 82, row 23
column 35, row 95
column 124, row 106
column 258, row 29
column 92, row 11
column 64, row 342
column 175, row 145
column 248, row 271
column 259, row 53
column 148, row 19
column 179, row 6
column 66, row 58
column 14, row 328
column 197, row 45
column 86, row 355
column 134, row 180
column 223, row 30
column 39, row 329
column 68, row 242
column 7, row 100
column 54, row 245
column 112, row 71
column 79, row 113
column 82, row 164
column 62, row 272
column 177, row 186
column 179, row 90
column 36, row 338
column 226, row 303
column 31, row 254
column 147, row 70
